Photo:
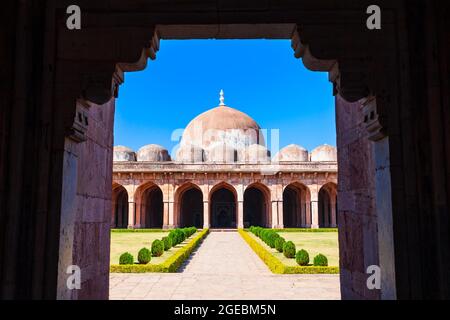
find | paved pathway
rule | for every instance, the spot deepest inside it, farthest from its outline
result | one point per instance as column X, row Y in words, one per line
column 223, row 267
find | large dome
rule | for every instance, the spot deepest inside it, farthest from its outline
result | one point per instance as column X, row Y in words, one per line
column 324, row 153
column 222, row 125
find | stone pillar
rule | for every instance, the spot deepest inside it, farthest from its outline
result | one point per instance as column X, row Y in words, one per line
column 280, row 222
column 206, row 223
column 333, row 212
column 314, row 208
column 171, row 214
column 240, row 214
column 166, row 224
column 131, row 206
column 274, row 213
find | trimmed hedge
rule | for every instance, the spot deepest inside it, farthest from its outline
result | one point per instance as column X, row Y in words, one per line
column 279, row 243
column 170, row 265
column 157, row 248
column 302, row 258
column 276, row 266
column 320, row 260
column 167, row 243
column 126, row 258
column 144, row 256
column 289, row 249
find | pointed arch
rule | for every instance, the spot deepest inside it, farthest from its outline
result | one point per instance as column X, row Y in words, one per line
column 257, row 208
column 296, row 205
column 222, row 206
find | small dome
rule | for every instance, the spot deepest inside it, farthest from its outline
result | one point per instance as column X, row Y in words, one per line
column 190, row 154
column 292, row 152
column 122, row 153
column 153, row 153
column 324, row 153
column 255, row 153
column 222, row 153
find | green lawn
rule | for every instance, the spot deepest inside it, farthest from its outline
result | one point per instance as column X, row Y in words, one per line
column 313, row 242
column 132, row 242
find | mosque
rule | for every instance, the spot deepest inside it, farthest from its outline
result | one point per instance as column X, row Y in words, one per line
column 223, row 176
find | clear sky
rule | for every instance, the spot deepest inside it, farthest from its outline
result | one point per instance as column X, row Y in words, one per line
column 260, row 77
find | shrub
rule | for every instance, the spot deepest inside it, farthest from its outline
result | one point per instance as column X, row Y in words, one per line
column 144, row 256
column 289, row 249
column 157, row 248
column 302, row 258
column 126, row 258
column 279, row 243
column 320, row 260
column 167, row 243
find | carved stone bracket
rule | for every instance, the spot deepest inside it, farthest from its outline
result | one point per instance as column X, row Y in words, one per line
column 372, row 119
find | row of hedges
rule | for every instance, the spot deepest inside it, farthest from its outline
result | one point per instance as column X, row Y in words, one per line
column 275, row 241
column 170, row 265
column 174, row 238
column 275, row 265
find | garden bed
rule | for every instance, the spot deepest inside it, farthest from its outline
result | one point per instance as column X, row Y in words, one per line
column 275, row 264
column 168, row 263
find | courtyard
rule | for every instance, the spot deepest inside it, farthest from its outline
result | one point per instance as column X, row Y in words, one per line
column 222, row 267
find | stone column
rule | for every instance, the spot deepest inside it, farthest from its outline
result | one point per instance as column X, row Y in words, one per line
column 240, row 214
column 131, row 206
column 166, row 224
column 206, row 223
column 333, row 212
column 280, row 222
column 274, row 213
column 314, row 208
column 171, row 215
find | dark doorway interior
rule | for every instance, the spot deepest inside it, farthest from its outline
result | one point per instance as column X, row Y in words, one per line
column 153, row 208
column 291, row 208
column 255, row 208
column 223, row 209
column 120, row 203
column 191, row 213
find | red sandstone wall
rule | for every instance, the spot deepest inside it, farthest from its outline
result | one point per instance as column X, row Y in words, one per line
column 358, row 238
column 92, row 226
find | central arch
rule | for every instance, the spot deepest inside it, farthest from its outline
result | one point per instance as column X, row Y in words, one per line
column 223, row 213
column 257, row 206
column 296, row 206
column 189, row 203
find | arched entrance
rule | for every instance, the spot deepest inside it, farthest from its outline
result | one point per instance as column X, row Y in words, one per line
column 296, row 206
column 149, row 206
column 328, row 206
column 223, row 207
column 191, row 208
column 119, row 217
column 256, row 206
column 152, row 208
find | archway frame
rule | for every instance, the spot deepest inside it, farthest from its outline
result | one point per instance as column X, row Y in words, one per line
column 229, row 187
column 140, row 201
column 267, row 199
column 303, row 193
column 178, row 196
column 356, row 58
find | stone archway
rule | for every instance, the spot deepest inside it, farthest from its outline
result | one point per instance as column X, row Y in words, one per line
column 149, row 206
column 256, row 206
column 328, row 206
column 189, row 204
column 404, row 128
column 223, row 210
column 296, row 206
column 119, row 218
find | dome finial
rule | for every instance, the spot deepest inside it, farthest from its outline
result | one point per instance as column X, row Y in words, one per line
column 222, row 98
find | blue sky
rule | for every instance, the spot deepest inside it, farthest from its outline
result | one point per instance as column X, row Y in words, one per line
column 260, row 77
